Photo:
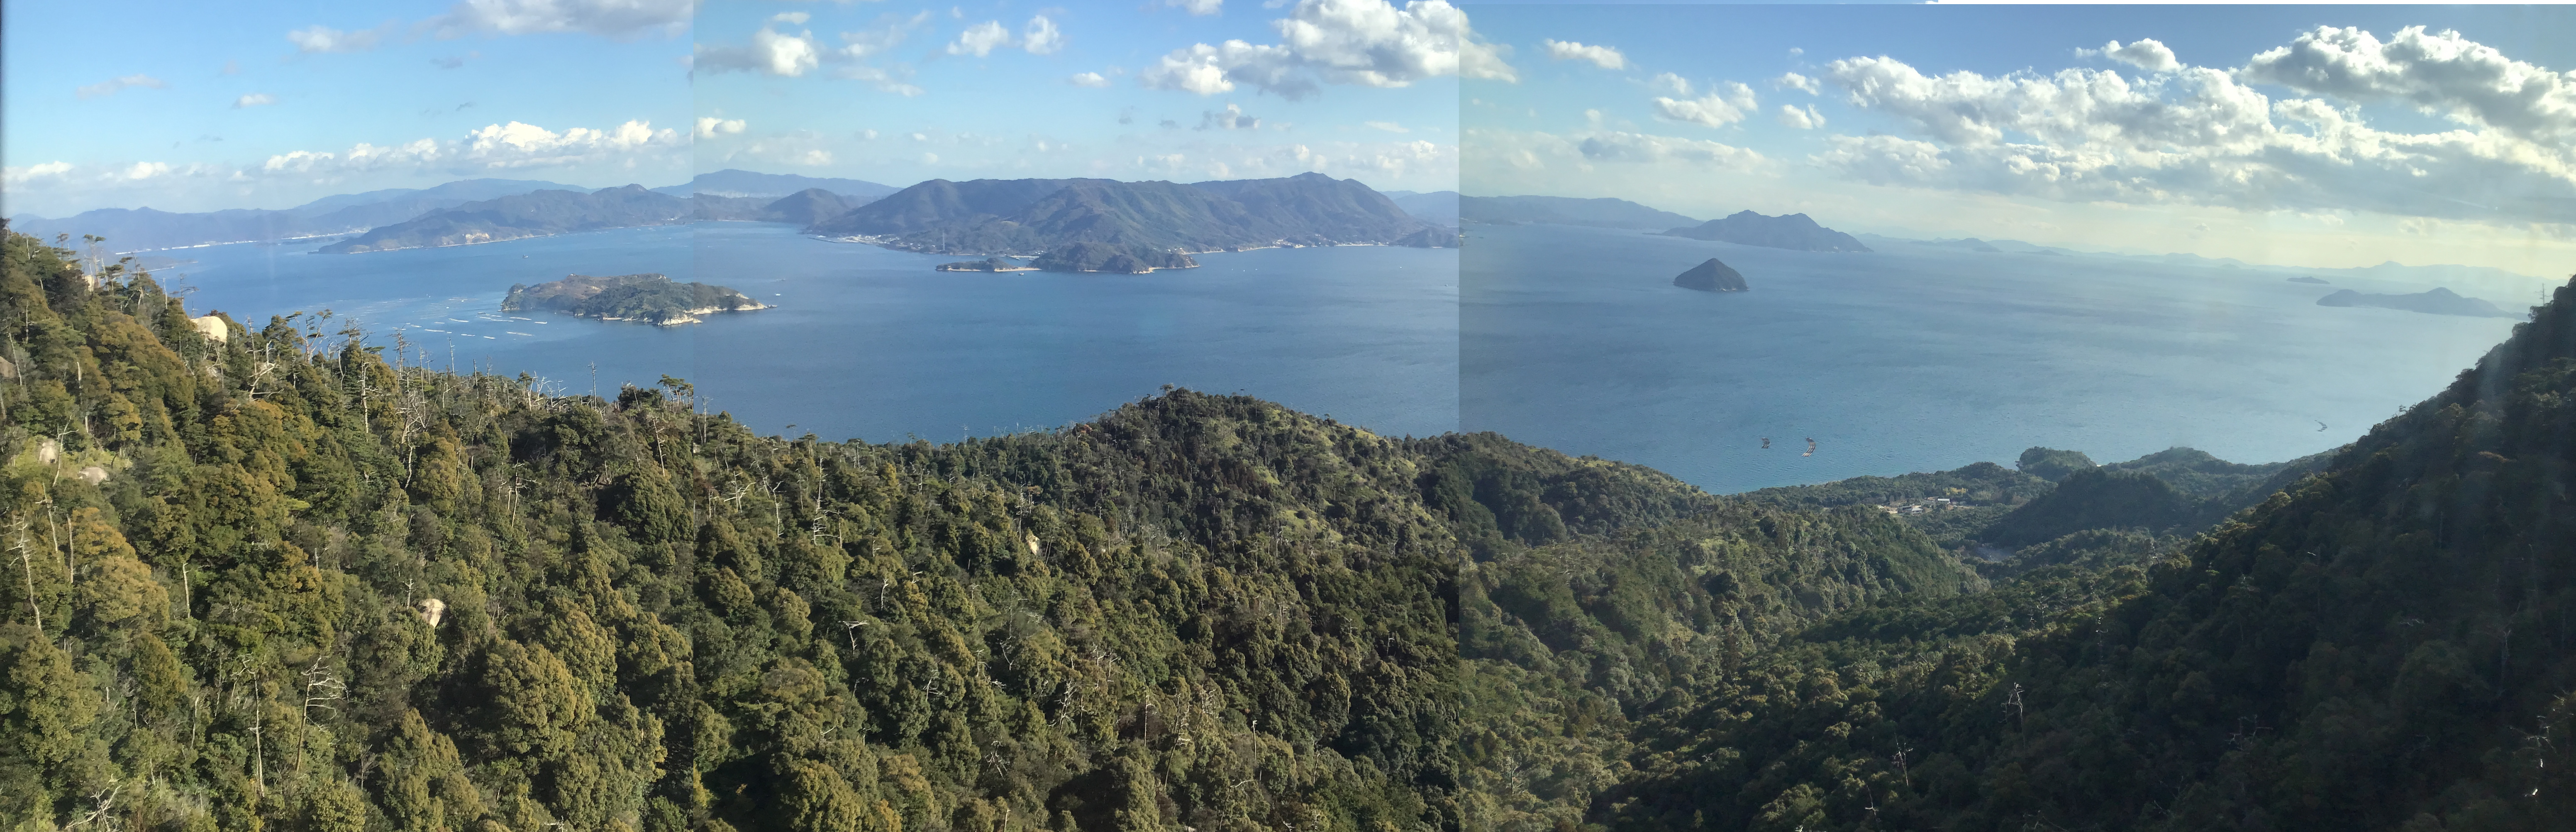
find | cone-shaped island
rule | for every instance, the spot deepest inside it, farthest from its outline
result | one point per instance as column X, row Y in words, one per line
column 1711, row 276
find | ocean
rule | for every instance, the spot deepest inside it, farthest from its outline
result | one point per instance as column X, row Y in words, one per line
column 1920, row 358
column 871, row 344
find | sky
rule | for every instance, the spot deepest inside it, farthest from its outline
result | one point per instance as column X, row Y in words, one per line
column 2318, row 136
column 196, row 106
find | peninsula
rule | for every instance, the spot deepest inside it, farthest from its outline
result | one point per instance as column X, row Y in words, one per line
column 650, row 298
column 2438, row 301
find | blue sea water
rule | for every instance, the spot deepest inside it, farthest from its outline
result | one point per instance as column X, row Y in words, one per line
column 1917, row 358
column 872, row 344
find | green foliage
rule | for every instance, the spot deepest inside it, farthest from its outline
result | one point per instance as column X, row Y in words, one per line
column 2052, row 464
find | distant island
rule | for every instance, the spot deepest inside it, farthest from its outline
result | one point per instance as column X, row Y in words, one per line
column 1431, row 238
column 805, row 207
column 1156, row 225
column 534, row 214
column 1711, row 276
column 1793, row 231
column 651, row 298
column 2439, row 301
column 2307, row 279
column 1560, row 210
column 1110, row 257
column 989, row 264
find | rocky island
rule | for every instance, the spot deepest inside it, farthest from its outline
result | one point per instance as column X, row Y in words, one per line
column 2438, row 301
column 1711, row 276
column 651, row 298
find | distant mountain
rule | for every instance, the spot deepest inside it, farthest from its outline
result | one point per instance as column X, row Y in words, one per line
column 804, row 207
column 143, row 228
column 740, row 183
column 2436, row 302
column 1438, row 237
column 2307, row 279
column 526, row 215
column 712, row 208
column 1711, row 276
column 1144, row 219
column 1558, row 210
column 1794, row 231
column 1437, row 206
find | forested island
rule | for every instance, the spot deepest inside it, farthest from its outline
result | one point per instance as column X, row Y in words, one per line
column 2435, row 301
column 291, row 579
column 650, row 298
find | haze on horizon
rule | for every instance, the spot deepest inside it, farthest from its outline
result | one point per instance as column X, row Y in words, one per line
column 2325, row 137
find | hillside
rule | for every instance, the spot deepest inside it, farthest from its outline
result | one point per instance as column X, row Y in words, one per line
column 1558, row 210
column 1030, row 216
column 537, row 214
column 1792, row 231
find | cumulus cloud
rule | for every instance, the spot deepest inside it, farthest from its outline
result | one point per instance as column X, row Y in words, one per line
column 2145, row 53
column 710, row 126
column 1387, row 126
column 493, row 147
column 1363, row 42
column 1041, row 37
column 1795, row 81
column 1197, row 7
column 2443, row 73
column 1602, row 56
column 1725, row 105
column 257, row 99
column 29, row 173
column 859, row 47
column 791, row 18
column 1089, row 79
column 980, row 39
column 113, row 85
column 770, row 52
column 1801, row 119
column 1616, row 146
column 318, row 39
column 620, row 19
column 1670, row 84
column 1231, row 118
column 2203, row 136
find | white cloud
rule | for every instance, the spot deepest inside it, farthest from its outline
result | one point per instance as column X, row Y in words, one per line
column 1232, row 118
column 815, row 158
column 2145, row 53
column 1725, row 105
column 930, row 158
column 981, row 39
column 143, row 170
column 791, row 18
column 1088, row 79
column 1363, row 42
column 1041, row 37
column 112, row 85
column 318, row 38
column 23, row 175
column 1615, row 146
column 607, row 18
column 1387, row 126
column 494, row 147
column 885, row 80
column 769, row 52
column 1670, row 83
column 2201, row 136
column 257, row 99
column 1602, row 56
column 867, row 135
column 1197, row 7
column 2444, row 73
column 1795, row 81
column 710, row 126
column 1806, row 119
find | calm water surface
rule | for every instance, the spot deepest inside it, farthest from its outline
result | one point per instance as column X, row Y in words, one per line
column 869, row 343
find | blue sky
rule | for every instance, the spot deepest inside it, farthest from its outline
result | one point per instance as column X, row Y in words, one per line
column 2253, row 132
column 193, row 107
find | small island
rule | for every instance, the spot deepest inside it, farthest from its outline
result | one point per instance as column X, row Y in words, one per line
column 989, row 264
column 651, row 298
column 2438, row 301
column 2307, row 279
column 1106, row 257
column 1711, row 276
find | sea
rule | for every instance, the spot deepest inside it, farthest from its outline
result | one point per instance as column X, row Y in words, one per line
column 871, row 344
column 1923, row 358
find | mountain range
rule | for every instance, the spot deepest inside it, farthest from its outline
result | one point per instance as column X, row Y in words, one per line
column 742, row 183
column 536, row 214
column 2436, row 301
column 1435, row 207
column 1792, row 231
column 141, row 229
column 1029, row 216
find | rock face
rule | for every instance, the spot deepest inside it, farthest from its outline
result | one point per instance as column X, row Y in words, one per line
column 1711, row 276
column 1105, row 257
column 2436, row 302
column 1794, row 231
